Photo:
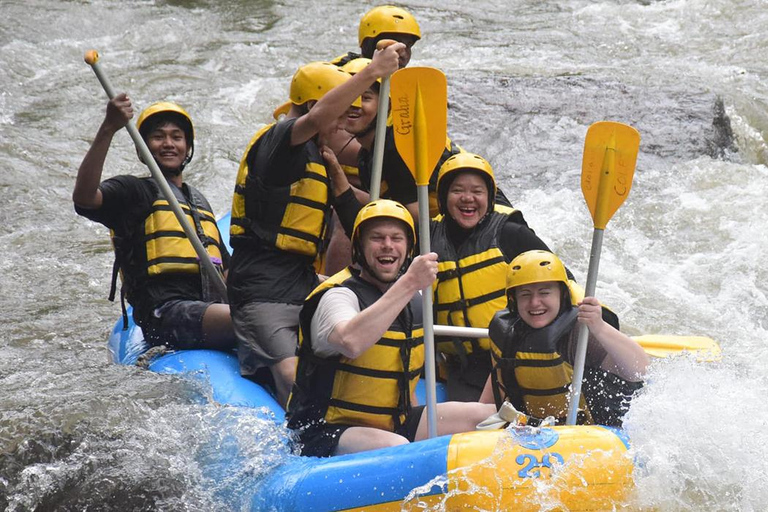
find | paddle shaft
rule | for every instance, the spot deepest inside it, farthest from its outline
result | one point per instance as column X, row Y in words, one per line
column 149, row 160
column 429, row 336
column 381, row 135
column 382, row 112
column 581, row 346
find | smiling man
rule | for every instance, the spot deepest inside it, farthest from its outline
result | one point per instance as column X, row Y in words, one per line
column 281, row 212
column 172, row 300
column 362, row 347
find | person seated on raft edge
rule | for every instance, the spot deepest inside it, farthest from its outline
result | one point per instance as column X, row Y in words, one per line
column 172, row 301
column 280, row 213
column 534, row 344
column 379, row 23
column 397, row 181
column 475, row 238
column 362, row 350
column 471, row 231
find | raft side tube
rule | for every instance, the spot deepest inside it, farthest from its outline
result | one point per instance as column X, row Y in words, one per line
column 366, row 480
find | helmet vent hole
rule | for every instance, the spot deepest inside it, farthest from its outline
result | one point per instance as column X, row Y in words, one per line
column 545, row 263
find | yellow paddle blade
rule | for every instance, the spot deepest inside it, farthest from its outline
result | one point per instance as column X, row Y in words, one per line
column 660, row 345
column 419, row 99
column 610, row 154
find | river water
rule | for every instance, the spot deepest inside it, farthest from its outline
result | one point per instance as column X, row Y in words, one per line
column 684, row 255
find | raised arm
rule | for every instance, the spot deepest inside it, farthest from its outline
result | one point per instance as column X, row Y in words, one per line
column 355, row 336
column 625, row 357
column 87, row 193
column 334, row 104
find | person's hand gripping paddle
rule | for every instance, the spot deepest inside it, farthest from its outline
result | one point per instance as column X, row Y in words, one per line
column 610, row 154
column 92, row 59
column 419, row 118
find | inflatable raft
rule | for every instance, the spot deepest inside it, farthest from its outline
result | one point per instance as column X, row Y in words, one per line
column 522, row 468
column 577, row 468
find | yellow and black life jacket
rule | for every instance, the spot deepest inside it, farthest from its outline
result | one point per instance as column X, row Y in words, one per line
column 159, row 246
column 529, row 370
column 470, row 285
column 292, row 218
column 373, row 390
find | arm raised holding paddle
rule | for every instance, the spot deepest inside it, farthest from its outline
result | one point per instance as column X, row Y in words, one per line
column 86, row 193
column 176, row 289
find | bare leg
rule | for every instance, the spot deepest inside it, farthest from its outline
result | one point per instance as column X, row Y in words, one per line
column 361, row 439
column 284, row 373
column 455, row 417
column 217, row 327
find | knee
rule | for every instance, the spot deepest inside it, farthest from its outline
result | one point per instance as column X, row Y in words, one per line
column 389, row 439
column 285, row 369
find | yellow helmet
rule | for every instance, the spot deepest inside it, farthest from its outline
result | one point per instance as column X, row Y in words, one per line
column 387, row 19
column 460, row 162
column 312, row 81
column 173, row 112
column 382, row 208
column 355, row 65
column 535, row 267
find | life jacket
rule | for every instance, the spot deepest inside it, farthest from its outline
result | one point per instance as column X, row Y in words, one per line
column 373, row 390
column 470, row 284
column 292, row 218
column 529, row 369
column 159, row 245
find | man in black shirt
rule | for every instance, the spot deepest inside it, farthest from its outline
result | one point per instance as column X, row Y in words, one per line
column 172, row 300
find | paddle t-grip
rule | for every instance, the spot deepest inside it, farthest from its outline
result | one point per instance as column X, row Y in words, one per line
column 384, row 43
column 91, row 57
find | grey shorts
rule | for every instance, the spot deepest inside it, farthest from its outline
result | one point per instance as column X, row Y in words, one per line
column 177, row 323
column 266, row 332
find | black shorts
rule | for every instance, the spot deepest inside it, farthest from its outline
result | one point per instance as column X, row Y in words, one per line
column 320, row 439
column 176, row 323
column 465, row 382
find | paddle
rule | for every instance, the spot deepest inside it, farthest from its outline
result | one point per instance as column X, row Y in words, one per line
column 420, row 113
column 381, row 128
column 610, row 153
column 655, row 345
column 92, row 59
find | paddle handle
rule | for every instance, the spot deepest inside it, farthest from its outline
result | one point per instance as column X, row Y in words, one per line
column 581, row 346
column 429, row 335
column 92, row 59
column 381, row 135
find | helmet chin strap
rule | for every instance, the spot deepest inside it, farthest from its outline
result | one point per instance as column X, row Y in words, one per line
column 177, row 171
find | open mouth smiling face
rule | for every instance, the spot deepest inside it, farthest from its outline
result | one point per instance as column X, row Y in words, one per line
column 539, row 303
column 467, row 199
column 385, row 246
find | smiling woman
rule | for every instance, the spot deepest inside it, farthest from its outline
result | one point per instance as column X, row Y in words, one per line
column 467, row 201
column 474, row 238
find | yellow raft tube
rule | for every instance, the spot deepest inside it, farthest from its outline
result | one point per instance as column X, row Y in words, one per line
column 523, row 468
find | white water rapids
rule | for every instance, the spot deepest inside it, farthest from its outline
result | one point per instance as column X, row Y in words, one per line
column 686, row 254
